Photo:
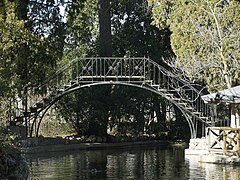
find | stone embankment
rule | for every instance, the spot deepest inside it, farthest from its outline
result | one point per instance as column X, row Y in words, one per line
column 200, row 151
column 68, row 143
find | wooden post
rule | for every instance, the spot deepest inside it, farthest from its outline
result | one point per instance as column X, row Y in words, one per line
column 224, row 142
column 238, row 143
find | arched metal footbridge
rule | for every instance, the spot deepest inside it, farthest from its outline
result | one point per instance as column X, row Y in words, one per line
column 138, row 72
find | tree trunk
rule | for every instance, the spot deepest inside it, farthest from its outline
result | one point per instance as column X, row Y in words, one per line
column 105, row 36
column 23, row 54
column 22, row 9
column 161, row 116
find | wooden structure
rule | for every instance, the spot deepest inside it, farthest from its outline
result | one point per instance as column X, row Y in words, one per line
column 225, row 140
column 230, row 97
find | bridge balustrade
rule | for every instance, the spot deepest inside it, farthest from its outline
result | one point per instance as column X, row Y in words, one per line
column 139, row 72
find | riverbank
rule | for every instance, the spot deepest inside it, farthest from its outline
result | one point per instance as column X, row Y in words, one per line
column 12, row 164
column 43, row 145
column 89, row 146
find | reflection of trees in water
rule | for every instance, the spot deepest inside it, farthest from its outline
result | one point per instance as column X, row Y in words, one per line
column 134, row 163
column 171, row 164
column 143, row 164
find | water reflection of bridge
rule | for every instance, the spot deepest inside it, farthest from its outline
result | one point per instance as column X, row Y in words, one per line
column 137, row 72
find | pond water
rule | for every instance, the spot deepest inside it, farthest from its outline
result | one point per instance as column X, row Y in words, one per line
column 133, row 163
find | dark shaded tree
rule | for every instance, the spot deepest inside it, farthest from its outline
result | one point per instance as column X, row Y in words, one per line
column 105, row 35
column 126, row 109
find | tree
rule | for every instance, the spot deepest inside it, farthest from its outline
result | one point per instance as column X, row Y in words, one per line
column 86, row 110
column 13, row 35
column 105, row 35
column 205, row 38
column 134, row 34
column 45, row 47
column 130, row 28
column 125, row 109
column 82, row 29
column 27, row 52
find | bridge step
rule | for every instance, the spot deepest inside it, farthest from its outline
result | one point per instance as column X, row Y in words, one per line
column 46, row 100
column 67, row 86
column 201, row 117
column 163, row 90
column 148, row 81
column 169, row 95
column 209, row 122
column 189, row 108
column 176, row 99
column 173, row 90
column 182, row 103
column 33, row 109
column 39, row 105
column 197, row 113
column 155, row 86
column 60, row 91
column 158, row 87
column 74, row 82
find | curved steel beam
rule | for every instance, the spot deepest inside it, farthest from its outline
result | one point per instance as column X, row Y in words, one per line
column 190, row 123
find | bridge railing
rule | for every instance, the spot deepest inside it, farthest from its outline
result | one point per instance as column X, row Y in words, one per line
column 181, row 88
column 100, row 69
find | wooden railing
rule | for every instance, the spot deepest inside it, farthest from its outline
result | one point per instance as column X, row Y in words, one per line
column 224, row 140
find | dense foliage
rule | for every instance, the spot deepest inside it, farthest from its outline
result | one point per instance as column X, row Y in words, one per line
column 205, row 37
column 117, row 110
column 37, row 37
column 12, row 165
column 123, row 110
column 26, row 52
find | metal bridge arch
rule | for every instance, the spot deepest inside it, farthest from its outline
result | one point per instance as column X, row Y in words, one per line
column 40, row 116
column 139, row 72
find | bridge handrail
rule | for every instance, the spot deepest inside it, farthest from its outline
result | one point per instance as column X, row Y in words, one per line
column 65, row 66
column 164, row 71
column 178, row 78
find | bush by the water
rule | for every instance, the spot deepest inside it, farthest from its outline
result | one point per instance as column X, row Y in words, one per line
column 12, row 164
